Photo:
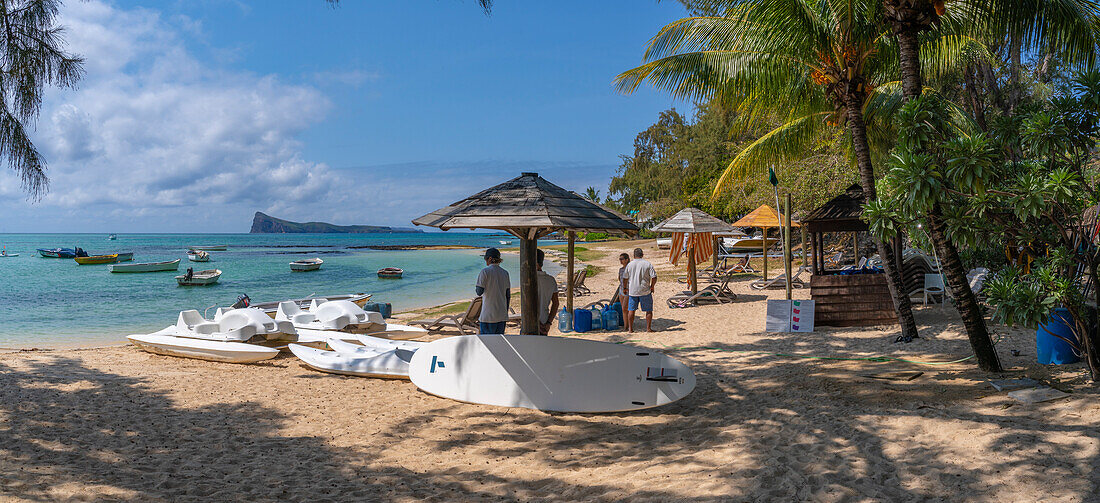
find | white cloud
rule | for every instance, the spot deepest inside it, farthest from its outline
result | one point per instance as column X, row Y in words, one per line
column 152, row 130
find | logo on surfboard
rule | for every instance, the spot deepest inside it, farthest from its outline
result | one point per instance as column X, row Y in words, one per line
column 436, row 362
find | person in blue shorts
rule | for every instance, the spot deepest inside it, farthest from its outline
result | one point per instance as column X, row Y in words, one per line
column 638, row 278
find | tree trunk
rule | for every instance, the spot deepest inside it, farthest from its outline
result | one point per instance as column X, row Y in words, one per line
column 977, row 106
column 965, row 301
column 1090, row 339
column 858, row 129
column 1014, row 86
column 911, row 83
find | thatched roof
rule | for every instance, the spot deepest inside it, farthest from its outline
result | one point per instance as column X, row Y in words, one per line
column 841, row 213
column 692, row 220
column 527, row 202
column 764, row 216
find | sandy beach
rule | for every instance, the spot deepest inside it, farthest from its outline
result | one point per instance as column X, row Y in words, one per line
column 119, row 424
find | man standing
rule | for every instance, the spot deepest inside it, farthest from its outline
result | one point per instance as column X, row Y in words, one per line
column 638, row 279
column 548, row 295
column 494, row 287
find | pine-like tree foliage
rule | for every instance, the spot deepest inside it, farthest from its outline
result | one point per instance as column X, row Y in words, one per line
column 32, row 57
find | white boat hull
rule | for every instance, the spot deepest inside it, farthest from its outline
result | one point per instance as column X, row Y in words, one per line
column 306, row 265
column 200, row 278
column 392, row 364
column 172, row 265
column 201, row 349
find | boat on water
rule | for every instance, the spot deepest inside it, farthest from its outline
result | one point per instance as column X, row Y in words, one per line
column 111, row 237
column 57, row 252
column 503, row 242
column 390, row 272
column 309, row 264
column 209, row 248
column 5, row 254
column 199, row 278
column 198, row 256
column 125, row 256
column 97, row 259
column 168, row 265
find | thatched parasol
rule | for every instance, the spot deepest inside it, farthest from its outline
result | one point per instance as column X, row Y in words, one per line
column 763, row 217
column 528, row 207
column 695, row 227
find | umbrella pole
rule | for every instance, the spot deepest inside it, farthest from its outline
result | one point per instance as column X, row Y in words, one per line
column 691, row 266
column 528, row 286
column 764, row 248
column 569, row 275
column 787, row 246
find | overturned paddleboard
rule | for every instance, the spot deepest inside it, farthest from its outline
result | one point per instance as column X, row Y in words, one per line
column 202, row 349
column 549, row 373
column 367, row 362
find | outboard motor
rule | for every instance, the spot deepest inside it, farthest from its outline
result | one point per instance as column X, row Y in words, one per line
column 242, row 301
column 190, row 274
column 80, row 252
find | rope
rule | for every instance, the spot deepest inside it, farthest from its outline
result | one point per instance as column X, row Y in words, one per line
column 877, row 359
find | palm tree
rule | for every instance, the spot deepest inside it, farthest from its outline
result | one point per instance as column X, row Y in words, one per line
column 592, row 194
column 823, row 63
column 1062, row 27
column 31, row 57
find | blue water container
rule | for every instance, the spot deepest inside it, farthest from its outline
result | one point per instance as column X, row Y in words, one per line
column 379, row 307
column 618, row 307
column 582, row 320
column 610, row 318
column 1051, row 349
column 597, row 319
column 565, row 321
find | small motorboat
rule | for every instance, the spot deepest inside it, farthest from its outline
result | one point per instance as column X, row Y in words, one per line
column 97, row 259
column 169, row 265
column 57, row 252
column 198, row 256
column 199, row 278
column 505, row 242
column 209, row 247
column 356, row 360
column 309, row 264
column 111, row 237
column 390, row 272
column 5, row 254
column 125, row 256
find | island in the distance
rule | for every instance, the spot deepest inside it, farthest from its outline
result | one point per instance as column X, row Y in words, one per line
column 266, row 224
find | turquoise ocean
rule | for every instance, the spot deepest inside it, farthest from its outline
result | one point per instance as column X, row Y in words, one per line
column 47, row 302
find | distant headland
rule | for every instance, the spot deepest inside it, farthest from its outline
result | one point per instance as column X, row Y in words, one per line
column 266, row 224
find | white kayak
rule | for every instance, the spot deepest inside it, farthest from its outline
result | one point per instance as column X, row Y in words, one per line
column 367, row 362
column 549, row 373
column 163, row 343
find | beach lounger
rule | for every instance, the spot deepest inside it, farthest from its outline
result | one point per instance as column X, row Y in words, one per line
column 464, row 323
column 713, row 293
column 781, row 281
column 601, row 304
column 578, row 283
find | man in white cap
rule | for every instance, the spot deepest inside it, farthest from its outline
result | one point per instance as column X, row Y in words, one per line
column 494, row 287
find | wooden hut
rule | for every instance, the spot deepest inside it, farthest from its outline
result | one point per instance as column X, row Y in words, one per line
column 843, row 299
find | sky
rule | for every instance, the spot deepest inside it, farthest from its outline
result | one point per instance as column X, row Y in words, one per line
column 194, row 114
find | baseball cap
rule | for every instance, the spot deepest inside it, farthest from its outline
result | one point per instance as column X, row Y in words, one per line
column 492, row 253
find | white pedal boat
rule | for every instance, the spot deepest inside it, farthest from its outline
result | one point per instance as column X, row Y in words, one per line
column 168, row 344
column 234, row 325
column 356, row 360
column 341, row 316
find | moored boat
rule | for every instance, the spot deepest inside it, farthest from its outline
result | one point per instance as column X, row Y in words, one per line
column 198, row 256
column 97, row 259
column 199, row 278
column 5, row 254
column 125, row 256
column 309, row 264
column 169, row 265
column 209, row 247
column 57, row 252
column 390, row 272
column 111, row 237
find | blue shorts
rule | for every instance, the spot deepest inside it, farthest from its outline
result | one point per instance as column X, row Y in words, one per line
column 645, row 300
column 492, row 328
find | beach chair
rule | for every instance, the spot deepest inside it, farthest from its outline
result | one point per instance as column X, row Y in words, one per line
column 933, row 285
column 713, row 293
column 834, row 261
column 465, row 322
column 578, row 283
column 601, row 304
column 859, row 265
column 781, row 281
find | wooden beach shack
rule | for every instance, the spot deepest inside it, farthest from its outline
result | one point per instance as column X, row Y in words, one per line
column 843, row 299
column 529, row 207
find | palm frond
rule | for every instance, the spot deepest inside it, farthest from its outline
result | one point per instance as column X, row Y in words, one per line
column 788, row 142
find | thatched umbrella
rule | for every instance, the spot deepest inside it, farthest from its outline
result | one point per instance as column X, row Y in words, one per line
column 763, row 217
column 528, row 207
column 695, row 226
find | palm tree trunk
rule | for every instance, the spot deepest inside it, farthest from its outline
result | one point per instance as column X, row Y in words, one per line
column 977, row 106
column 858, row 129
column 950, row 263
column 965, row 300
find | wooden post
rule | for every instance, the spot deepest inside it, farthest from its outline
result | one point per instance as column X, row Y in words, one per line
column 855, row 247
column 528, row 285
column 569, row 276
column 802, row 228
column 691, row 265
column 764, row 246
column 714, row 246
column 787, row 246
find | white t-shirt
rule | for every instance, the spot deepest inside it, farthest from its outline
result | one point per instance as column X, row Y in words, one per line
column 494, row 302
column 638, row 273
column 548, row 288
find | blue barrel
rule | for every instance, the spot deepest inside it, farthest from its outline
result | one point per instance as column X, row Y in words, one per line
column 610, row 318
column 1051, row 349
column 582, row 320
column 379, row 307
column 618, row 307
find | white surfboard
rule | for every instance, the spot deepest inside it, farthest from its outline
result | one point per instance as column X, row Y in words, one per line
column 549, row 373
